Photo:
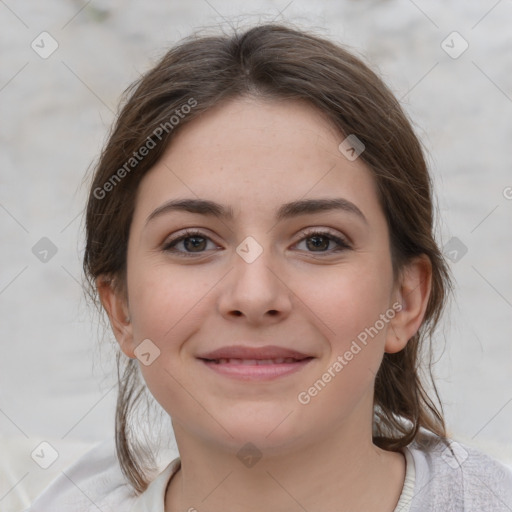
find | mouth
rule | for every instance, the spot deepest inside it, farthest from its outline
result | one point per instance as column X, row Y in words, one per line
column 280, row 360
column 264, row 363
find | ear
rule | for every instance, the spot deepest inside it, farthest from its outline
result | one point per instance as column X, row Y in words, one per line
column 412, row 292
column 115, row 303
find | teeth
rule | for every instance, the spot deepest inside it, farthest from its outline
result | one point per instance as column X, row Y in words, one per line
column 279, row 360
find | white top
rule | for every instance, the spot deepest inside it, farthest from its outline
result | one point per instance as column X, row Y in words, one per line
column 437, row 478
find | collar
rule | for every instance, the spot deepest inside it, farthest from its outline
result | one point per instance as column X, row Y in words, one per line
column 153, row 498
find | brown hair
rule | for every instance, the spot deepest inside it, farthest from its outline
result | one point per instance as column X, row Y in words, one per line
column 275, row 62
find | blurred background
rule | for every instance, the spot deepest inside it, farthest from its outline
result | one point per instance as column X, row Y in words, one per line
column 65, row 64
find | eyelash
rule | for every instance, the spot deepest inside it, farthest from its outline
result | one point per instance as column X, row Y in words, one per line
column 343, row 245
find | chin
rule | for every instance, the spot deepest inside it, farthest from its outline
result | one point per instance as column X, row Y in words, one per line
column 271, row 428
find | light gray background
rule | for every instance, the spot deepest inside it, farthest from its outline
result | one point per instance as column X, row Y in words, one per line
column 55, row 117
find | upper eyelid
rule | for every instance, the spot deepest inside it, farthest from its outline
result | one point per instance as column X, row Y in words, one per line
column 324, row 231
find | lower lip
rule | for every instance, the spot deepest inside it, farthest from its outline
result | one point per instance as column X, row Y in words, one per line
column 257, row 371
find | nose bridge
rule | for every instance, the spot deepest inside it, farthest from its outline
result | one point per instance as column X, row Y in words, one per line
column 253, row 268
column 255, row 288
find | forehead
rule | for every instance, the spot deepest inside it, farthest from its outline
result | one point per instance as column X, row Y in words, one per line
column 251, row 153
column 267, row 130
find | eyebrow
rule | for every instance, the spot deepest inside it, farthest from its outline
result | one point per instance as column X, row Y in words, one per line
column 286, row 211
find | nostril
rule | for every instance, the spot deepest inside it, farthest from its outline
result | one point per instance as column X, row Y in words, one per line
column 272, row 312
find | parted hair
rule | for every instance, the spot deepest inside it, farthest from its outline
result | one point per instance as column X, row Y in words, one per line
column 274, row 61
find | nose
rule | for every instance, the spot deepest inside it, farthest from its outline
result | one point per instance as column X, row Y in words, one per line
column 255, row 293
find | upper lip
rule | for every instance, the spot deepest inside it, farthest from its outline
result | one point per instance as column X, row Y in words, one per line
column 245, row 352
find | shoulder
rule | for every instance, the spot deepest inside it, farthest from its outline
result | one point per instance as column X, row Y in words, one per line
column 456, row 477
column 93, row 482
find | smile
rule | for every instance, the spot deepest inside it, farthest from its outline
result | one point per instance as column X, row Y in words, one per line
column 256, row 369
column 280, row 360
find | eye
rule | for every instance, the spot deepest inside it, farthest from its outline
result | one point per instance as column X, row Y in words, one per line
column 192, row 241
column 196, row 242
column 319, row 241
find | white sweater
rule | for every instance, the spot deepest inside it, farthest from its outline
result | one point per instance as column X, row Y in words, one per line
column 437, row 479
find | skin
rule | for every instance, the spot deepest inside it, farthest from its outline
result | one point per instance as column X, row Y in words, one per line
column 253, row 156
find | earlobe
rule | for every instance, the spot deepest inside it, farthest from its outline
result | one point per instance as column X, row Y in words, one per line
column 115, row 304
column 413, row 292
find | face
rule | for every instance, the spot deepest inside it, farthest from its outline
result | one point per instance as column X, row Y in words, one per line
column 268, row 325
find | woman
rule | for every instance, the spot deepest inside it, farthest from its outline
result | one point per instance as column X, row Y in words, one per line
column 260, row 234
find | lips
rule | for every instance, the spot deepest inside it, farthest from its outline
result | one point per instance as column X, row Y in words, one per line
column 232, row 360
column 258, row 355
column 248, row 363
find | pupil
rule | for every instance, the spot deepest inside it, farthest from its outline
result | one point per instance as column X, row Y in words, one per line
column 196, row 242
column 318, row 242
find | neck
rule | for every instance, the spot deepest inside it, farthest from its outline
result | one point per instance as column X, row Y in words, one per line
column 342, row 472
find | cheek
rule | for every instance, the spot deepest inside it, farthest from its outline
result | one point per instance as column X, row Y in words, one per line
column 348, row 299
column 163, row 302
column 161, row 307
column 350, row 306
column 351, row 303
column 177, row 395
column 166, row 307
